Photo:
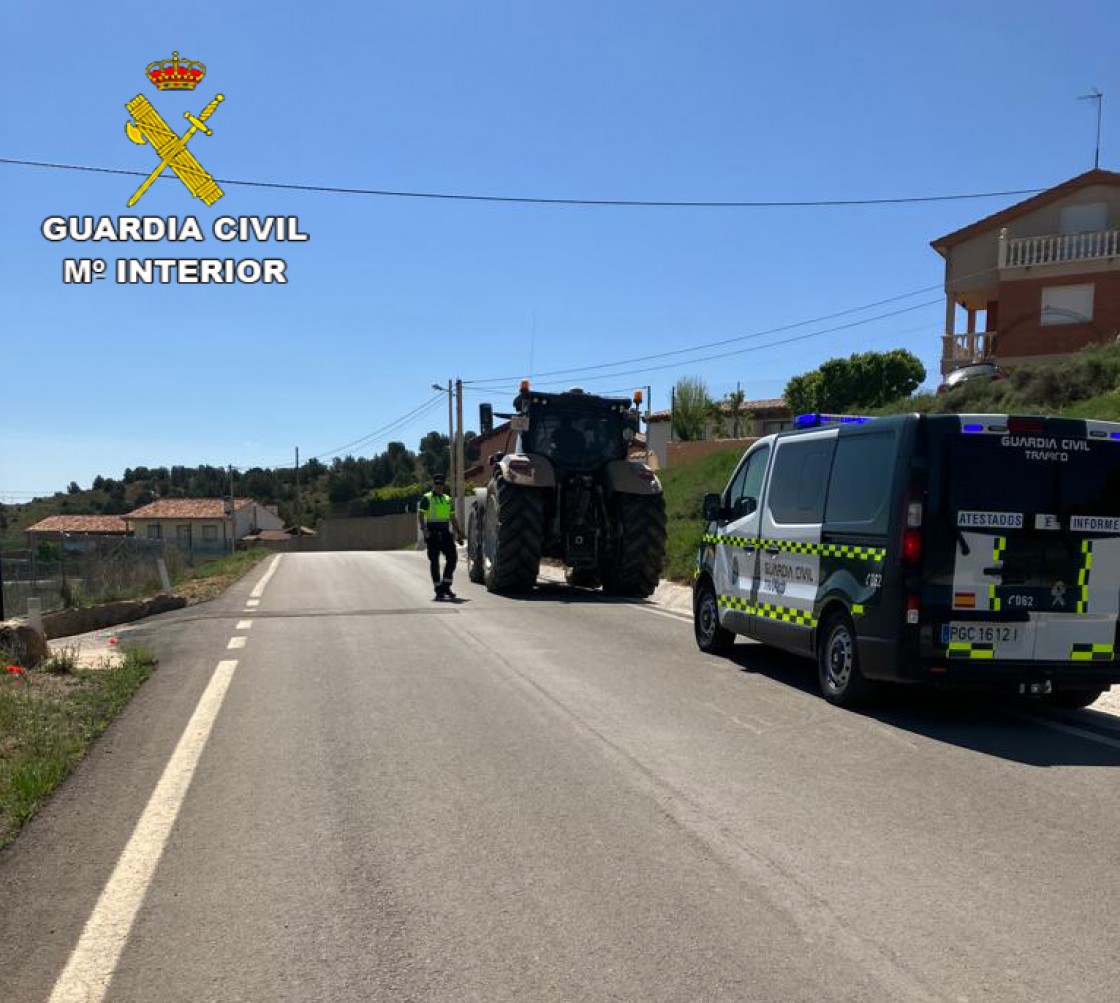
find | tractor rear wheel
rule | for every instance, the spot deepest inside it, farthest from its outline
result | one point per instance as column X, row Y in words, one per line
column 476, row 568
column 513, row 534
column 632, row 565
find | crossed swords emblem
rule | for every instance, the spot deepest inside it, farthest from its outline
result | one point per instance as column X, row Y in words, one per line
column 149, row 127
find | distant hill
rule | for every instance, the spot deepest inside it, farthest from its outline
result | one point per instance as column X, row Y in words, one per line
column 324, row 490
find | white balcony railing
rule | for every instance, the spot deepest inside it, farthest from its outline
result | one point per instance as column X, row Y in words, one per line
column 1019, row 252
column 960, row 349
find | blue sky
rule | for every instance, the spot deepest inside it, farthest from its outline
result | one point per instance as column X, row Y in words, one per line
column 641, row 99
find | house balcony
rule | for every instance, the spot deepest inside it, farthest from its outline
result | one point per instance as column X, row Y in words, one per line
column 964, row 349
column 1057, row 248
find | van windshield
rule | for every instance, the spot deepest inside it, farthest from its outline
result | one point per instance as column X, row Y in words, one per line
column 1033, row 475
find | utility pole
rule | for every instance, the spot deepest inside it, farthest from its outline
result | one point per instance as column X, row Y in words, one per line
column 232, row 524
column 299, row 508
column 460, row 457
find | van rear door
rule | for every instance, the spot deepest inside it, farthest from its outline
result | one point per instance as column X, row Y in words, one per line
column 1023, row 544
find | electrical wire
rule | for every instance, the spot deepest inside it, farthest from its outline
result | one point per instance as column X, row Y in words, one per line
column 774, row 344
column 423, row 408
column 540, row 200
column 714, row 344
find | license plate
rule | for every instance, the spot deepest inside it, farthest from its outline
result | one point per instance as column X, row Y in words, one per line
column 979, row 633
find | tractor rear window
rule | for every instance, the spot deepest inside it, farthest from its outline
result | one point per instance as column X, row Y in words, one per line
column 576, row 440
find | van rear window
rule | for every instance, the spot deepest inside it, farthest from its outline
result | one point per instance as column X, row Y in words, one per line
column 1044, row 474
column 859, row 493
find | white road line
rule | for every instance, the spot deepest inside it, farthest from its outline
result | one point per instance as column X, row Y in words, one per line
column 87, row 974
column 237, row 642
column 244, row 625
column 251, row 604
column 682, row 617
column 1069, row 729
column 258, row 589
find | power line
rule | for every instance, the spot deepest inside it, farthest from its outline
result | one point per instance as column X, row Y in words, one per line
column 773, row 344
column 717, row 344
column 416, row 412
column 541, row 200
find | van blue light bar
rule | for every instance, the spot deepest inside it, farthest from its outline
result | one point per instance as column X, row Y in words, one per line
column 817, row 420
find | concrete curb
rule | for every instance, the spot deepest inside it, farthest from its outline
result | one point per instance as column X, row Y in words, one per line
column 83, row 620
column 670, row 596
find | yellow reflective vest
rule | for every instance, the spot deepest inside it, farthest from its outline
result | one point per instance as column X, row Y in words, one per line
column 436, row 508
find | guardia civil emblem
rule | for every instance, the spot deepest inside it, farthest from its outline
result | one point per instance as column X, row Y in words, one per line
column 148, row 126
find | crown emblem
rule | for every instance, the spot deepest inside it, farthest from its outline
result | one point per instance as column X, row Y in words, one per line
column 172, row 75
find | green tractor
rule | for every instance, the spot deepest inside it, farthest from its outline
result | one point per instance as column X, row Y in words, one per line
column 569, row 492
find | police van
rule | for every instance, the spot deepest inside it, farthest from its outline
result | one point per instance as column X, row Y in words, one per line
column 950, row 549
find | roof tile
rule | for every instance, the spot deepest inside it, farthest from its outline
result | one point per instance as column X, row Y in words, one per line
column 186, row 508
column 103, row 524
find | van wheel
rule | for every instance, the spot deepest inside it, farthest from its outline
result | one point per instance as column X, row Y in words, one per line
column 841, row 679
column 711, row 638
column 1072, row 699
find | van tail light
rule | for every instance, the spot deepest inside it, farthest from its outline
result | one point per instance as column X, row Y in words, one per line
column 911, row 551
column 913, row 609
column 912, row 546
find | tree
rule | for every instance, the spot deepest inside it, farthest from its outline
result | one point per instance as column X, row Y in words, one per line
column 434, row 455
column 73, row 488
column 733, row 406
column 864, row 380
column 692, row 408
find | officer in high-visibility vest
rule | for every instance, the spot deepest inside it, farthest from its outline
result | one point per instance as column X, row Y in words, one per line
column 436, row 513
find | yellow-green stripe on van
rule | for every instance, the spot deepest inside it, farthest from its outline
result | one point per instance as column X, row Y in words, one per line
column 966, row 649
column 1092, row 653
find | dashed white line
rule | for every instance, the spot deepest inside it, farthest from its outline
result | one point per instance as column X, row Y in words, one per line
column 237, row 642
column 87, row 974
column 251, row 604
column 243, row 625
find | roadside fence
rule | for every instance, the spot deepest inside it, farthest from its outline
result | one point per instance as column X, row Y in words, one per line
column 94, row 569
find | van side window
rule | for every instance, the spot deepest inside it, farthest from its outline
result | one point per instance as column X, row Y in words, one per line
column 859, row 495
column 746, row 489
column 797, row 485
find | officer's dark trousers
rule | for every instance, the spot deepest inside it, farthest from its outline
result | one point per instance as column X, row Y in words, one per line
column 440, row 541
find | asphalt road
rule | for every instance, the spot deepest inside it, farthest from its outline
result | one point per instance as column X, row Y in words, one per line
column 376, row 797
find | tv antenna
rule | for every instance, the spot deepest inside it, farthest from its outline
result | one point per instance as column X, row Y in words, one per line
column 1097, row 96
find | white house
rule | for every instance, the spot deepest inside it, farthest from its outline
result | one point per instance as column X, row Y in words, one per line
column 202, row 524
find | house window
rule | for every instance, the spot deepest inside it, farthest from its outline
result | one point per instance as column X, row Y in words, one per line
column 1084, row 218
column 155, row 532
column 1067, row 305
column 210, row 533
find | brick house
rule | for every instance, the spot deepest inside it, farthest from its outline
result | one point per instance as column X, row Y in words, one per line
column 1038, row 280
column 201, row 525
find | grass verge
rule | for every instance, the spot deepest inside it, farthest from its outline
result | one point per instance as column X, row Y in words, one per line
column 47, row 721
column 212, row 578
column 685, row 487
